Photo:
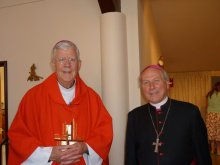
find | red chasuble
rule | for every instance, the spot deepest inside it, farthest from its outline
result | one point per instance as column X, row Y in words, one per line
column 43, row 111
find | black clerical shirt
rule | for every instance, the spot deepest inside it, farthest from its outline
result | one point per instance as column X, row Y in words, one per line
column 183, row 139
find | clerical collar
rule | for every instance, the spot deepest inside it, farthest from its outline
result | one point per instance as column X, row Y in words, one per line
column 68, row 94
column 158, row 105
column 74, row 81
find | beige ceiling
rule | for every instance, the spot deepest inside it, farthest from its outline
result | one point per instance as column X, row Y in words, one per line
column 189, row 34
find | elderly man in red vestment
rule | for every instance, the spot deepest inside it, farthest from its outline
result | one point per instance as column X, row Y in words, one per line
column 49, row 107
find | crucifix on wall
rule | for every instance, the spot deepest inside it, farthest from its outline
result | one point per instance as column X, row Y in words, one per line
column 33, row 75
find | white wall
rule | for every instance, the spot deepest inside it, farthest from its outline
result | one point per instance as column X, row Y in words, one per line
column 149, row 43
column 29, row 31
column 130, row 9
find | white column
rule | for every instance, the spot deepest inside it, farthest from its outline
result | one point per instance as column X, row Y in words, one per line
column 114, row 74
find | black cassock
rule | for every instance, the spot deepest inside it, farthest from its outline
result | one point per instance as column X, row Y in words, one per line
column 183, row 139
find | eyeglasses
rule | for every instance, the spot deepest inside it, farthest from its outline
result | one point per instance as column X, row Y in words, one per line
column 64, row 60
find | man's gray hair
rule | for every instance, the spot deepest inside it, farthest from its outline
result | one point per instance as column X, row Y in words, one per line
column 64, row 44
column 165, row 75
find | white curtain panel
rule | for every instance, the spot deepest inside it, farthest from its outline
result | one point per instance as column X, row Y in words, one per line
column 192, row 87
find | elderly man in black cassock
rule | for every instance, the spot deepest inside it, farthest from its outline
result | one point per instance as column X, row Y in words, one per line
column 164, row 131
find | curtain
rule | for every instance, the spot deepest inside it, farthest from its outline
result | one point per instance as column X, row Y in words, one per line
column 192, row 87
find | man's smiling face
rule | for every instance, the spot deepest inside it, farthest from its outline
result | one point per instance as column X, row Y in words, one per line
column 66, row 66
column 154, row 86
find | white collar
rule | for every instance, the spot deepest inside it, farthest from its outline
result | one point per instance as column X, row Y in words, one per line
column 68, row 94
column 158, row 105
column 66, row 89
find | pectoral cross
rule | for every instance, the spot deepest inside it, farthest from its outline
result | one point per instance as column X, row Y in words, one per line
column 156, row 144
